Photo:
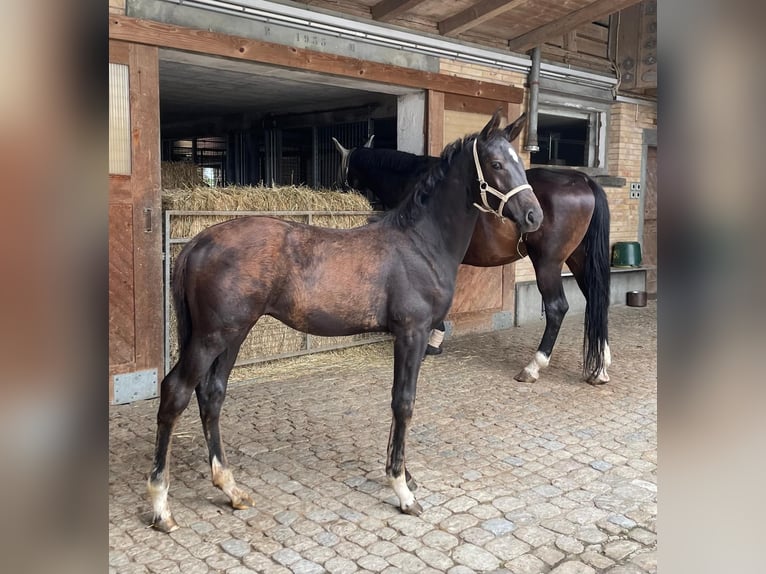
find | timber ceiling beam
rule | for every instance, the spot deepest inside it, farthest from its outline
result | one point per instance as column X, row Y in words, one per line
column 389, row 9
column 162, row 35
column 589, row 13
column 475, row 15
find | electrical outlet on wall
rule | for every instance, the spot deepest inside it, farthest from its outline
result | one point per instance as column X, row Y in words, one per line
column 635, row 190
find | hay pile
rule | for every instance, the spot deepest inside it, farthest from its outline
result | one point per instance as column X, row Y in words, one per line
column 180, row 174
column 262, row 198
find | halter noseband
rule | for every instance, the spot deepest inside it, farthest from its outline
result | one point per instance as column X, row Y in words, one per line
column 484, row 187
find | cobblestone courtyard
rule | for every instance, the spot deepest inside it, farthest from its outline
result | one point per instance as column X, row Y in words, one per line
column 555, row 476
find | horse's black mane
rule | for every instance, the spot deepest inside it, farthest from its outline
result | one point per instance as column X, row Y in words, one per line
column 412, row 208
column 390, row 160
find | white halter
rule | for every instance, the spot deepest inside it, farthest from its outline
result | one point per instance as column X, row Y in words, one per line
column 484, row 187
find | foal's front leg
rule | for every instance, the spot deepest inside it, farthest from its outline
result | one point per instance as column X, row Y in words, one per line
column 408, row 351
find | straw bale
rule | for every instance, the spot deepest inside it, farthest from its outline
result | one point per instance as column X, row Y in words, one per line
column 261, row 198
column 180, row 174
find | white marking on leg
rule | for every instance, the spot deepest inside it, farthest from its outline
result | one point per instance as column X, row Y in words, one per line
column 436, row 338
column 399, row 484
column 158, row 493
column 538, row 362
column 222, row 477
column 607, row 356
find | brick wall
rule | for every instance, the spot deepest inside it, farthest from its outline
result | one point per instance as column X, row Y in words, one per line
column 626, row 126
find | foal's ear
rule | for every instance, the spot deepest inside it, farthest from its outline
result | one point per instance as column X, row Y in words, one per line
column 368, row 143
column 512, row 131
column 491, row 126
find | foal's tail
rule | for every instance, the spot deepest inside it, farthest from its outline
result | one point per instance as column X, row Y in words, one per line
column 180, row 301
column 597, row 280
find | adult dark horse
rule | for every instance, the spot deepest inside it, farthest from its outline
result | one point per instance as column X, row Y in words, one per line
column 575, row 230
column 396, row 274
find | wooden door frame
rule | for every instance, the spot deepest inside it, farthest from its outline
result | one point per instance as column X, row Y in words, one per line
column 141, row 191
column 649, row 139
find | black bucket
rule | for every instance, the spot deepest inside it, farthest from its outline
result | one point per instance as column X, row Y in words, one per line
column 635, row 298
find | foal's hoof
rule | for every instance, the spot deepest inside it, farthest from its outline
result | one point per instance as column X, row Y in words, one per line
column 413, row 509
column 242, row 501
column 525, row 376
column 167, row 525
column 431, row 350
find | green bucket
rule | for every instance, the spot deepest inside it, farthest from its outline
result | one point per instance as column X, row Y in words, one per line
column 626, row 254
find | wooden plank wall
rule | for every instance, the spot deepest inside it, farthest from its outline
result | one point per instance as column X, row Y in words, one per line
column 480, row 293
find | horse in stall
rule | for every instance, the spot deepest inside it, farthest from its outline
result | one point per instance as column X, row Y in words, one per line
column 401, row 269
column 575, row 230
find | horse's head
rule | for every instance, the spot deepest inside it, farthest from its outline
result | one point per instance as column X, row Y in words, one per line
column 503, row 188
column 347, row 180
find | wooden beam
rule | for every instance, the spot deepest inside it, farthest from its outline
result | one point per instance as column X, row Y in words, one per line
column 458, row 103
column 475, row 15
column 204, row 42
column 435, row 119
column 589, row 13
column 389, row 9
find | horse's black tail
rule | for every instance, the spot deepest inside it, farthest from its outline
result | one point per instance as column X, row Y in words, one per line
column 597, row 280
column 180, row 301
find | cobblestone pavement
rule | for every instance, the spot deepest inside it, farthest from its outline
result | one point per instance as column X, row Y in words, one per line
column 555, row 476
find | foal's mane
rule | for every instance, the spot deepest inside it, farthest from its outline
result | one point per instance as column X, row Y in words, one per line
column 412, row 208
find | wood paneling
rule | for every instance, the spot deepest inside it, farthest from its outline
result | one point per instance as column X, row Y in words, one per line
column 556, row 27
column 145, row 105
column 478, row 289
column 475, row 15
column 203, row 41
column 649, row 243
column 121, row 292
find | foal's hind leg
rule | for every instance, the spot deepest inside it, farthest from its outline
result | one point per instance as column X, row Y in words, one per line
column 556, row 306
column 175, row 392
column 210, row 396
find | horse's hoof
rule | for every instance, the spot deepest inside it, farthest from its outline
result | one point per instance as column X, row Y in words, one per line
column 168, row 525
column 431, row 350
column 413, row 509
column 597, row 382
column 600, row 379
column 525, row 377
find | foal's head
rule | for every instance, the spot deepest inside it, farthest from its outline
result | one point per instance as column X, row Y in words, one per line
column 503, row 187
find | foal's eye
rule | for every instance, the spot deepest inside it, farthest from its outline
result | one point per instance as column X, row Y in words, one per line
column 496, row 165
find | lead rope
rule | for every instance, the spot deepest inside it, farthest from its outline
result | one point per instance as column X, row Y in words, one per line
column 518, row 245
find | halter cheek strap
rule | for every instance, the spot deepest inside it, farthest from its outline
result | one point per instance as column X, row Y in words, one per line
column 484, row 187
